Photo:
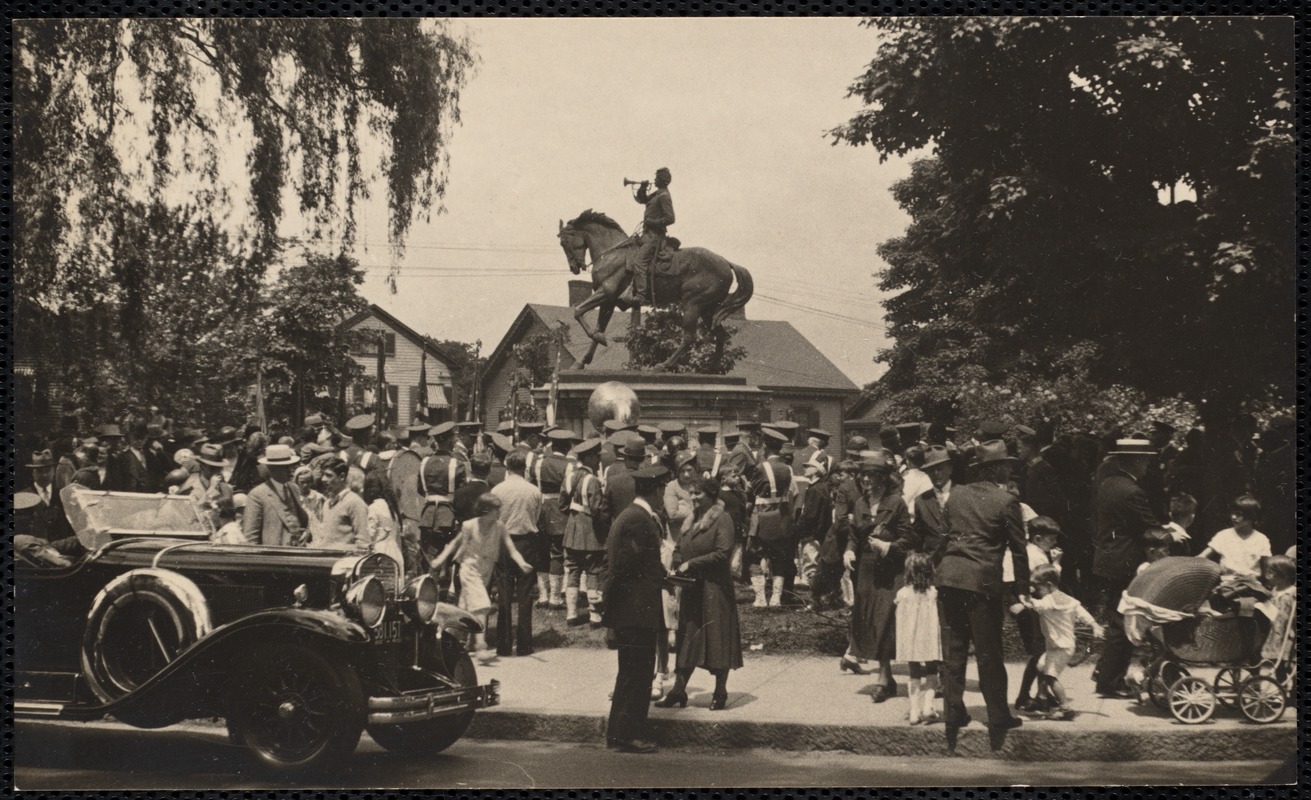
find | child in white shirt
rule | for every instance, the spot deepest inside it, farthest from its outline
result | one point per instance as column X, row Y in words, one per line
column 1242, row 549
column 1042, row 551
column 1058, row 612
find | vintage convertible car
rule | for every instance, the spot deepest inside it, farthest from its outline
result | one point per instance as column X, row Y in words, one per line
column 298, row 650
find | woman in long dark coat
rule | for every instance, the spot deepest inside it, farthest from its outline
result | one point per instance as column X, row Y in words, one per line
column 881, row 536
column 708, row 634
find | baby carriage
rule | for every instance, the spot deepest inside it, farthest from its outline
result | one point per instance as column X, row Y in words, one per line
column 1165, row 607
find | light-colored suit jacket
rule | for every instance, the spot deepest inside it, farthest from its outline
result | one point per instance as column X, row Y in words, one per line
column 273, row 516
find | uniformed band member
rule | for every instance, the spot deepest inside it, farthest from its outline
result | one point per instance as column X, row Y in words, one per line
column 359, row 429
column 657, row 218
column 501, row 444
column 548, row 475
column 709, row 458
column 743, row 457
column 440, row 474
column 584, row 536
column 530, row 439
column 466, row 440
column 771, row 548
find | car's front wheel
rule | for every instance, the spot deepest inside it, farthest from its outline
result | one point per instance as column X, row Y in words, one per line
column 296, row 709
column 432, row 735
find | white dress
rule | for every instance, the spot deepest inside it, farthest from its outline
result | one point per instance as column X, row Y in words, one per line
column 382, row 531
column 918, row 639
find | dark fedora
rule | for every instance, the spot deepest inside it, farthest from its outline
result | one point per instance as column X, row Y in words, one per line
column 634, row 449
column 934, row 455
column 42, row 458
column 992, row 451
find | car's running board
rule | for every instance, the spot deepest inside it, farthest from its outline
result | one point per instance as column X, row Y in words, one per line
column 34, row 709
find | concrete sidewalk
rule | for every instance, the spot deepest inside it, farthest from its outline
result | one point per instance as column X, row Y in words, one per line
column 805, row 703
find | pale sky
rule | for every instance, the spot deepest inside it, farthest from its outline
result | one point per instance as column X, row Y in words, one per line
column 560, row 111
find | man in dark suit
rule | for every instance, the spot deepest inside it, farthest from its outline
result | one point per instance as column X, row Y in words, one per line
column 1122, row 515
column 931, row 529
column 127, row 470
column 632, row 582
column 46, row 514
column 985, row 522
column 619, row 487
column 1041, row 488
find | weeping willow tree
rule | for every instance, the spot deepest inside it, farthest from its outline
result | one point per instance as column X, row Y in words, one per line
column 249, row 126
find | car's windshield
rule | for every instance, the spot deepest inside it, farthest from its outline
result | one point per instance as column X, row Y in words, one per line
column 98, row 517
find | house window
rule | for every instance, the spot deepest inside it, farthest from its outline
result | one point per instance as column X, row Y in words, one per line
column 805, row 416
column 366, row 343
column 363, row 395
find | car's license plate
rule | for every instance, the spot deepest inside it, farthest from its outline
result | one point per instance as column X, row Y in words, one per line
column 389, row 632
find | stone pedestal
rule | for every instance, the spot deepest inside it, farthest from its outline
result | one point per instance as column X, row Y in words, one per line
column 694, row 400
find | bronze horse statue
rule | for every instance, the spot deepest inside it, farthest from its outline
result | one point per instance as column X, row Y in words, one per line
column 698, row 280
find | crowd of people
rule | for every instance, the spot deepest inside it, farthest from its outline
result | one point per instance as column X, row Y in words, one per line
column 929, row 544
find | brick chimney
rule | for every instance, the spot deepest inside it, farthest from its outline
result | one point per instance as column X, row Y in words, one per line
column 579, row 291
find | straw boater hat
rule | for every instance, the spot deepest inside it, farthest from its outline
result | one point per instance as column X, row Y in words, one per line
column 279, row 455
column 992, row 451
column 1133, row 447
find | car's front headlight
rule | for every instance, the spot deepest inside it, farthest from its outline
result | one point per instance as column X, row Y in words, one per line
column 366, row 601
column 420, row 599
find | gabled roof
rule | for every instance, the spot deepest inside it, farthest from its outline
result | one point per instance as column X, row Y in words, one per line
column 778, row 356
column 418, row 339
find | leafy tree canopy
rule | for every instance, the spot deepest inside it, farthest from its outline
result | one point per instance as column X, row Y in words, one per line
column 1038, row 222
column 661, row 332
column 111, row 112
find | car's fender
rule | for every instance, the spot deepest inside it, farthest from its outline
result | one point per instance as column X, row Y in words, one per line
column 452, row 617
column 179, row 690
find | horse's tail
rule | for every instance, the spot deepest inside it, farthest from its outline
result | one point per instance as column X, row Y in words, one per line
column 738, row 299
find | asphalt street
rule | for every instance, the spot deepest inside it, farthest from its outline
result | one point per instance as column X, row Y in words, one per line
column 71, row 756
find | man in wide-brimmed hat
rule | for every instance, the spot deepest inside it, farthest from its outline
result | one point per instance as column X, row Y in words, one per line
column 1122, row 515
column 985, row 523
column 931, row 529
column 274, row 515
column 44, row 515
column 206, row 484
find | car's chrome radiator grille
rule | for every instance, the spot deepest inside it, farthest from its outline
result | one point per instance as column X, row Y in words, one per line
column 385, row 569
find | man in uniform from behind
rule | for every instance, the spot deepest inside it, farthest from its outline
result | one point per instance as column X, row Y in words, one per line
column 403, row 472
column 549, row 477
column 440, row 474
column 656, row 220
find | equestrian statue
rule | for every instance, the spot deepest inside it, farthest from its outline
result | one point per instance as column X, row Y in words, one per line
column 654, row 267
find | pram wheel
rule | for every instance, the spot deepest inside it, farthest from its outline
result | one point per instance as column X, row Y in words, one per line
column 1226, row 685
column 1191, row 700
column 1160, row 677
column 1262, row 700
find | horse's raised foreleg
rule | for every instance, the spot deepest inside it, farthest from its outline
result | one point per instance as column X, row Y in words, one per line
column 604, row 301
column 602, row 322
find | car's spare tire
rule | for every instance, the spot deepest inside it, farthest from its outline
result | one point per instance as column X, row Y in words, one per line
column 139, row 623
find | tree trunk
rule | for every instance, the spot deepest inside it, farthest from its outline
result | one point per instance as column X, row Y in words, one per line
column 1226, row 476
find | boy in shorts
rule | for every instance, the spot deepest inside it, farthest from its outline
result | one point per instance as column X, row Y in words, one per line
column 1058, row 612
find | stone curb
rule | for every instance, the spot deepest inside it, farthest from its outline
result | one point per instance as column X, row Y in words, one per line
column 1247, row 742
